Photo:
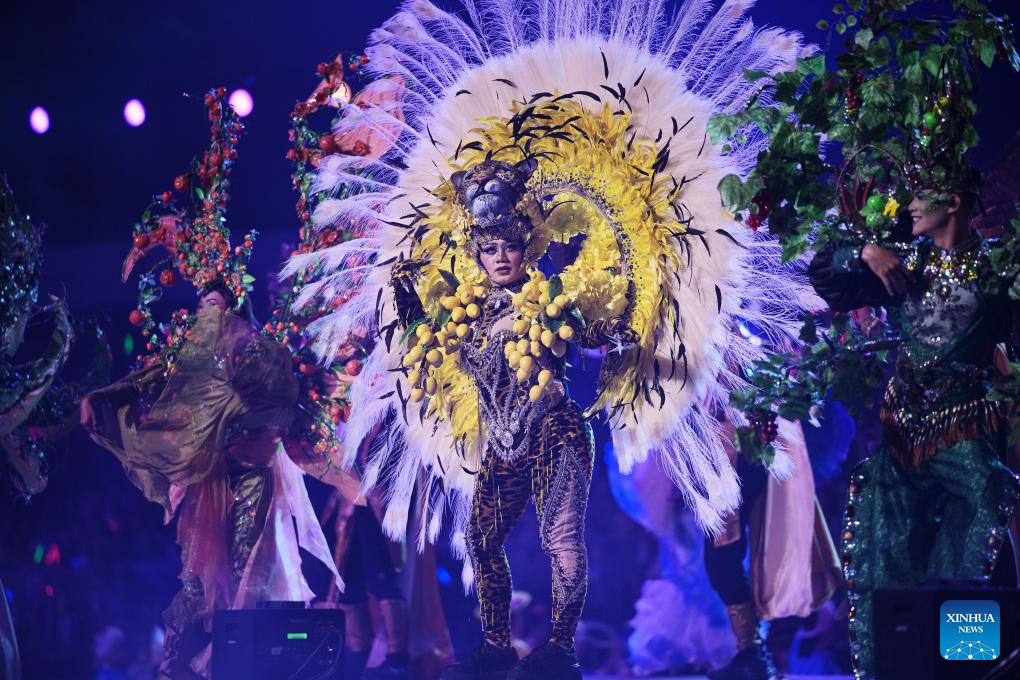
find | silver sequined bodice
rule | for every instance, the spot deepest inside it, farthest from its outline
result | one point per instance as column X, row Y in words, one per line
column 510, row 417
column 939, row 317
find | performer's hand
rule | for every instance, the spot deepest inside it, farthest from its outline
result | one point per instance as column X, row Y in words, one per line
column 887, row 267
column 88, row 414
column 623, row 333
column 869, row 322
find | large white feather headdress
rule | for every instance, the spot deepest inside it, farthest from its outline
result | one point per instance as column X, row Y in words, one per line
column 644, row 81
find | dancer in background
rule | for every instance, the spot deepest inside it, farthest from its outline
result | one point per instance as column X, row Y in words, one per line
column 202, row 440
column 384, row 582
column 48, row 361
column 794, row 568
column 198, row 427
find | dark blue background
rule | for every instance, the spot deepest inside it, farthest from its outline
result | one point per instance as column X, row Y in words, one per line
column 90, row 177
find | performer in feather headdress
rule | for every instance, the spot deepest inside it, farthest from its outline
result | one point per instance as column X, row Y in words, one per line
column 525, row 125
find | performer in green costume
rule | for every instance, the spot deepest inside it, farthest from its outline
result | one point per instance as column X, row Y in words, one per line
column 936, row 499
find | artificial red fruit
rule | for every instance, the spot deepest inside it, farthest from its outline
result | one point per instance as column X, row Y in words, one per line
column 136, row 317
column 352, row 367
column 181, row 182
column 167, row 277
column 327, row 143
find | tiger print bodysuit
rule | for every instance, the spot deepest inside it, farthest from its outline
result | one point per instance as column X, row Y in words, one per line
column 542, row 451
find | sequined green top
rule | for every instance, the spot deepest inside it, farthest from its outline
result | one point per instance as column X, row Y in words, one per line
column 954, row 313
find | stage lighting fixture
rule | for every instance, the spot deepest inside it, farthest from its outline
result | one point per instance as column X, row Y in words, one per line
column 39, row 120
column 134, row 113
column 242, row 102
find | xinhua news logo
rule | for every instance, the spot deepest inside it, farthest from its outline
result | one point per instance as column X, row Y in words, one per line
column 969, row 630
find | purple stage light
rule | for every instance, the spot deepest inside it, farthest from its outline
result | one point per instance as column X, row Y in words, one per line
column 242, row 102
column 39, row 120
column 134, row 113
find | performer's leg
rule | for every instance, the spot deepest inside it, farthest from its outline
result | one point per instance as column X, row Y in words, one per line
column 185, row 635
column 501, row 495
column 888, row 533
column 354, row 602
column 252, row 489
column 978, row 504
column 381, row 581
column 561, row 464
column 561, row 476
column 725, row 566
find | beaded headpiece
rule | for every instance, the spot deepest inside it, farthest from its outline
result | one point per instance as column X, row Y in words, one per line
column 940, row 137
column 490, row 192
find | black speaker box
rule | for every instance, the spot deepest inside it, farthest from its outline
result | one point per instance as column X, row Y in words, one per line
column 277, row 642
column 906, row 625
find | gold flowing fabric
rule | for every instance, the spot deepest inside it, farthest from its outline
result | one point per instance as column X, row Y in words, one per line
column 228, row 381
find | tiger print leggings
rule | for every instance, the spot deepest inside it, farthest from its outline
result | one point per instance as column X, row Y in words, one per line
column 555, row 472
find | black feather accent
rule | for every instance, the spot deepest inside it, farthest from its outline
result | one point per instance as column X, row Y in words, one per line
column 586, row 93
column 605, row 64
column 581, row 132
column 611, row 91
column 505, row 81
column 391, row 329
column 718, row 298
column 640, row 76
column 460, row 92
column 730, row 237
column 431, row 138
column 403, row 403
column 639, row 170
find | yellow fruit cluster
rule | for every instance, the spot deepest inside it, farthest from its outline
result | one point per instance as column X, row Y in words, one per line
column 434, row 344
column 531, row 354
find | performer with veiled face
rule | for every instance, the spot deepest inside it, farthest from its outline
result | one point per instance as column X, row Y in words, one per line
column 203, row 441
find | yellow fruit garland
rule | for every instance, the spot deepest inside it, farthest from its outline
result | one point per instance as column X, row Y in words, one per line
column 594, row 179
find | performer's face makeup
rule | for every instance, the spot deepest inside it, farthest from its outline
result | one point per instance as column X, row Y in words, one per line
column 930, row 217
column 503, row 261
column 214, row 299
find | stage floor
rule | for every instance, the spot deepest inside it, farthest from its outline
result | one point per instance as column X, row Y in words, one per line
column 702, row 677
